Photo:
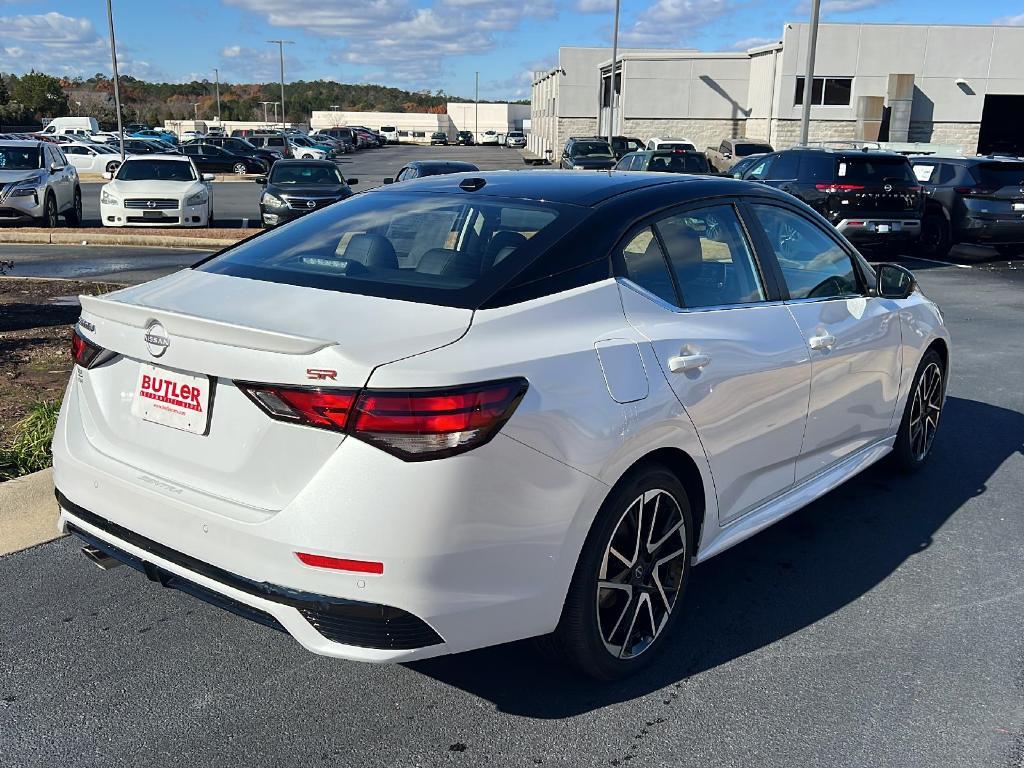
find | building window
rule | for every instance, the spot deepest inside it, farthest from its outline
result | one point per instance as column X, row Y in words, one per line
column 826, row 91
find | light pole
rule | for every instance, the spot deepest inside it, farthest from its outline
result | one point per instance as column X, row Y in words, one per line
column 78, row 108
column 265, row 104
column 275, row 111
column 611, row 86
column 216, row 76
column 117, row 88
column 476, row 131
column 195, row 106
column 812, row 44
column 280, row 49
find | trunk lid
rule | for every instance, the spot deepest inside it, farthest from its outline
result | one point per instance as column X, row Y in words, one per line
column 868, row 185
column 236, row 329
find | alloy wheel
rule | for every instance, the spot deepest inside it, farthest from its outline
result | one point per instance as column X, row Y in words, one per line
column 240, row 169
column 641, row 574
column 925, row 410
column 51, row 212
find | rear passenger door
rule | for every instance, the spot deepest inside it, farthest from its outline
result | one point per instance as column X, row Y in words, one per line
column 853, row 338
column 728, row 346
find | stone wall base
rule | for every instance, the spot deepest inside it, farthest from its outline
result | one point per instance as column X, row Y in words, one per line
column 703, row 133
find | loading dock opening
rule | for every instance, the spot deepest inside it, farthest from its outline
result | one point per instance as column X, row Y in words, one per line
column 1002, row 130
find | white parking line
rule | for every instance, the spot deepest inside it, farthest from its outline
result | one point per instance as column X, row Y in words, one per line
column 943, row 263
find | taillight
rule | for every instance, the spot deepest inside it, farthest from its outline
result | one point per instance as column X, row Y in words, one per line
column 973, row 191
column 84, row 352
column 838, row 187
column 414, row 425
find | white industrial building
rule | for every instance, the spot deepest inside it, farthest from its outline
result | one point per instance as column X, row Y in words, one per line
column 954, row 85
column 416, row 127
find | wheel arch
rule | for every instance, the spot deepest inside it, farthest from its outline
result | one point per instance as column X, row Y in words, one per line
column 942, row 349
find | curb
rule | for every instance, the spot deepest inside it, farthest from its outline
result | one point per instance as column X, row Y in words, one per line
column 110, row 238
column 28, row 512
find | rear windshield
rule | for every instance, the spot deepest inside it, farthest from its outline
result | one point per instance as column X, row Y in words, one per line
column 742, row 150
column 874, row 170
column 675, row 145
column 1000, row 174
column 679, row 162
column 162, row 170
column 591, row 149
column 387, row 129
column 449, row 249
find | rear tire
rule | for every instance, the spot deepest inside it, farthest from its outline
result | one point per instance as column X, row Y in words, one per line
column 73, row 217
column 935, row 239
column 240, row 169
column 916, row 434
column 622, row 606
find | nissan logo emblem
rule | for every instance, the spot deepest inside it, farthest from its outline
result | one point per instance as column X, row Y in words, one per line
column 311, row 204
column 151, row 204
column 887, row 187
column 156, row 338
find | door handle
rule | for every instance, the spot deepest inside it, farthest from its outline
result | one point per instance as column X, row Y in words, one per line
column 687, row 362
column 824, row 341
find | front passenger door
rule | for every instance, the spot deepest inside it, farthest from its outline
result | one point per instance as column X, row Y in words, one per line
column 853, row 338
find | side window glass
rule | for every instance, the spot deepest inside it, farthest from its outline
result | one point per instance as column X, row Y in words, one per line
column 761, row 168
column 637, row 163
column 946, row 174
column 709, row 253
column 645, row 265
column 624, row 164
column 785, row 166
column 813, row 265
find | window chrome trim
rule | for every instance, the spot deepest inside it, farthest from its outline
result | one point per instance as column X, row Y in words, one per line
column 627, row 283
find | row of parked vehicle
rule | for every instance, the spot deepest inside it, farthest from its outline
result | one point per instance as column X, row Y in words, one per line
column 874, row 197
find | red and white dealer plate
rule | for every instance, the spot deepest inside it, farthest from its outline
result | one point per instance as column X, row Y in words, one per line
column 173, row 399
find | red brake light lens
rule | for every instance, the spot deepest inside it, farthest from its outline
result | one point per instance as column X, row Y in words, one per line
column 838, row 187
column 969, row 191
column 414, row 425
column 341, row 564
column 84, row 352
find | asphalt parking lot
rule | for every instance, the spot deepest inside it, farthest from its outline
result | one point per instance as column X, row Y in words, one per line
column 237, row 201
column 881, row 626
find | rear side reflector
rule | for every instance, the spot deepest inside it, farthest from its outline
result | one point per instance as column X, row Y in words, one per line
column 414, row 425
column 341, row 564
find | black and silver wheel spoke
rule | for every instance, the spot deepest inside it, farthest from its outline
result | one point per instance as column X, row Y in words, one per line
column 925, row 409
column 641, row 574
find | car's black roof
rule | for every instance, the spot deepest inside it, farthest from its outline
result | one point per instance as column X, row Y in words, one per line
column 956, row 159
column 455, row 165
column 297, row 161
column 584, row 188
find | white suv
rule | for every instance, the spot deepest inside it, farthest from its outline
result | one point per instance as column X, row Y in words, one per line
column 657, row 143
column 38, row 184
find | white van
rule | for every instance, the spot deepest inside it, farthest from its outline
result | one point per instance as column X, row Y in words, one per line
column 80, row 126
column 390, row 133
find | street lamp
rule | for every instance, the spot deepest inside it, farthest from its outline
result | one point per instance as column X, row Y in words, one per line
column 265, row 104
column 216, row 75
column 195, row 106
column 280, row 49
column 117, row 88
column 275, row 112
column 812, row 44
column 476, row 131
column 611, row 87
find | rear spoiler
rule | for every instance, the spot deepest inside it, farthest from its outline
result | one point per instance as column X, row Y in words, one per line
column 201, row 328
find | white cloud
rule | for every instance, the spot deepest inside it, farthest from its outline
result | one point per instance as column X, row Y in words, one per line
column 752, row 42
column 595, row 6
column 1012, row 21
column 258, row 64
column 667, row 22
column 830, row 7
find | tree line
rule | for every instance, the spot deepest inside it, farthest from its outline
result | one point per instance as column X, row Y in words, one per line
column 34, row 97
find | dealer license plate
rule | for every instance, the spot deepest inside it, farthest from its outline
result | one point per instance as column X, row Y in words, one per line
column 173, row 399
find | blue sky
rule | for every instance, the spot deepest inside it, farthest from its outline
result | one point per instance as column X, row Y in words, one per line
column 412, row 44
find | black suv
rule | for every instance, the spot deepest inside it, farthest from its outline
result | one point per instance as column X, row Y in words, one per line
column 588, row 153
column 465, row 139
column 872, row 197
column 971, row 200
column 239, row 146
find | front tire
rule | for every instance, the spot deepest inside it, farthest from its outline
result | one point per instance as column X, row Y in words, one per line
column 49, row 217
column 624, row 598
column 935, row 239
column 916, row 434
column 73, row 217
column 240, row 169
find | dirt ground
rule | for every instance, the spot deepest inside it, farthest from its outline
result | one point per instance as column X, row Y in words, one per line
column 35, row 330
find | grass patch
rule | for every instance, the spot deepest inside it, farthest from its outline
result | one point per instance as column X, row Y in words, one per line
column 30, row 450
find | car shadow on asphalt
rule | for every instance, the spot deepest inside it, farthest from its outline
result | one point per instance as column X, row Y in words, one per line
column 792, row 575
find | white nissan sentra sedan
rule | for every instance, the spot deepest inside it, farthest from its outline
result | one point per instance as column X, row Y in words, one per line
column 484, row 407
column 157, row 191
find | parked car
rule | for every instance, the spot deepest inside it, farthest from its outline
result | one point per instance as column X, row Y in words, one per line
column 273, row 141
column 587, row 153
column 976, row 200
column 79, row 125
column 306, row 149
column 515, row 139
column 146, row 147
column 666, row 161
column 871, row 197
column 152, row 133
column 488, row 138
column 417, row 169
column 209, row 158
column 191, row 136
column 344, row 134
column 38, row 184
column 135, row 128
column 464, row 139
column 731, row 151
column 157, row 191
column 622, row 145
column 297, row 187
column 439, row 137
column 92, row 158
column 240, row 146
column 416, row 445
column 338, row 146
column 657, row 143
column 740, row 167
column 390, row 134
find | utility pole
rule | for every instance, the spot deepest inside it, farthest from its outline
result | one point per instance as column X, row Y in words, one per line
column 476, row 131
column 275, row 111
column 265, row 104
column 812, row 44
column 195, row 106
column 611, row 85
column 280, row 49
column 216, row 75
column 117, row 88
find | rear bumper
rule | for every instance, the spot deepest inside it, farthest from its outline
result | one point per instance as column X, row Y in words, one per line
column 989, row 230
column 879, row 229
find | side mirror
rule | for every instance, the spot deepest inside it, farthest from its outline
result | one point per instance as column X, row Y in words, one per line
column 894, row 281
column 108, row 175
column 208, row 177
column 351, row 182
column 54, row 167
column 727, row 155
column 388, row 180
column 261, row 180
